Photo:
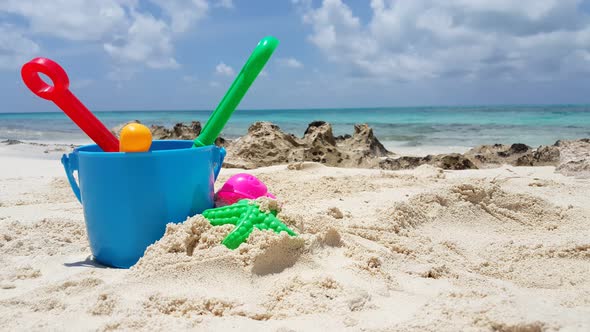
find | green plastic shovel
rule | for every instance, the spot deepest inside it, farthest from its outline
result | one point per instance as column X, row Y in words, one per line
column 236, row 91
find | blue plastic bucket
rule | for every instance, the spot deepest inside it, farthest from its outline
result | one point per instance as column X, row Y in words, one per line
column 128, row 198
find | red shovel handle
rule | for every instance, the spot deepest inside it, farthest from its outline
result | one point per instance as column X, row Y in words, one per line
column 60, row 94
column 30, row 73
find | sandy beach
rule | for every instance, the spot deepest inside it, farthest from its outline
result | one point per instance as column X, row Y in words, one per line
column 500, row 249
column 427, row 165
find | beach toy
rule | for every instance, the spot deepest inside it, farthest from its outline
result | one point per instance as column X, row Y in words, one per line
column 135, row 137
column 60, row 94
column 237, row 90
column 128, row 198
column 241, row 186
column 245, row 215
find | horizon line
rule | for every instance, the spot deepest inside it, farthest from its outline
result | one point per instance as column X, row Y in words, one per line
column 320, row 108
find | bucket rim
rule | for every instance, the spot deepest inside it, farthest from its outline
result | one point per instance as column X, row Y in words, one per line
column 190, row 147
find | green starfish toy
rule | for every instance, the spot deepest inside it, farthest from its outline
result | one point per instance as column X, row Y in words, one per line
column 245, row 215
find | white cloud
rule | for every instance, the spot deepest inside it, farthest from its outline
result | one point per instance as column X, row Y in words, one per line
column 228, row 4
column 225, row 70
column 183, row 13
column 73, row 20
column 290, row 62
column 148, row 40
column 422, row 39
column 127, row 34
column 15, row 49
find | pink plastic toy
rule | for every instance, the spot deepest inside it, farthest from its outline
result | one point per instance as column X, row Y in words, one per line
column 241, row 186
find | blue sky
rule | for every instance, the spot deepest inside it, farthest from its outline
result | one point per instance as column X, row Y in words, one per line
column 183, row 54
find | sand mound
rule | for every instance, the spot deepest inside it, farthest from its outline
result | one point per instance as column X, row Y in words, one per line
column 433, row 226
column 473, row 203
column 195, row 243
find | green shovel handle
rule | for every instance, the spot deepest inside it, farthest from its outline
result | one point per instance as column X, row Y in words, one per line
column 236, row 92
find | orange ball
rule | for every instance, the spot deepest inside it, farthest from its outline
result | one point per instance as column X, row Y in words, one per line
column 135, row 137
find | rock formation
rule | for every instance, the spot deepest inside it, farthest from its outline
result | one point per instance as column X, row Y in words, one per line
column 116, row 130
column 11, row 142
column 364, row 140
column 574, row 157
column 265, row 145
column 485, row 156
column 179, row 131
column 454, row 161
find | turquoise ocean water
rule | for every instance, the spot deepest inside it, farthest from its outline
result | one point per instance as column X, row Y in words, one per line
column 416, row 130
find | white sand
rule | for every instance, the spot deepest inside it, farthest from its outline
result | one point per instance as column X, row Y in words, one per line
column 504, row 249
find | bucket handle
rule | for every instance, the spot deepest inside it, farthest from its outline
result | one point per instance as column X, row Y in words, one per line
column 217, row 165
column 70, row 163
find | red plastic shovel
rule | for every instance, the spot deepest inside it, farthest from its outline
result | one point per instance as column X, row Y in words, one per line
column 60, row 94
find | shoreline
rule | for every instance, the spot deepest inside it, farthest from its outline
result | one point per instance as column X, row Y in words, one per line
column 191, row 130
column 360, row 150
column 400, row 148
